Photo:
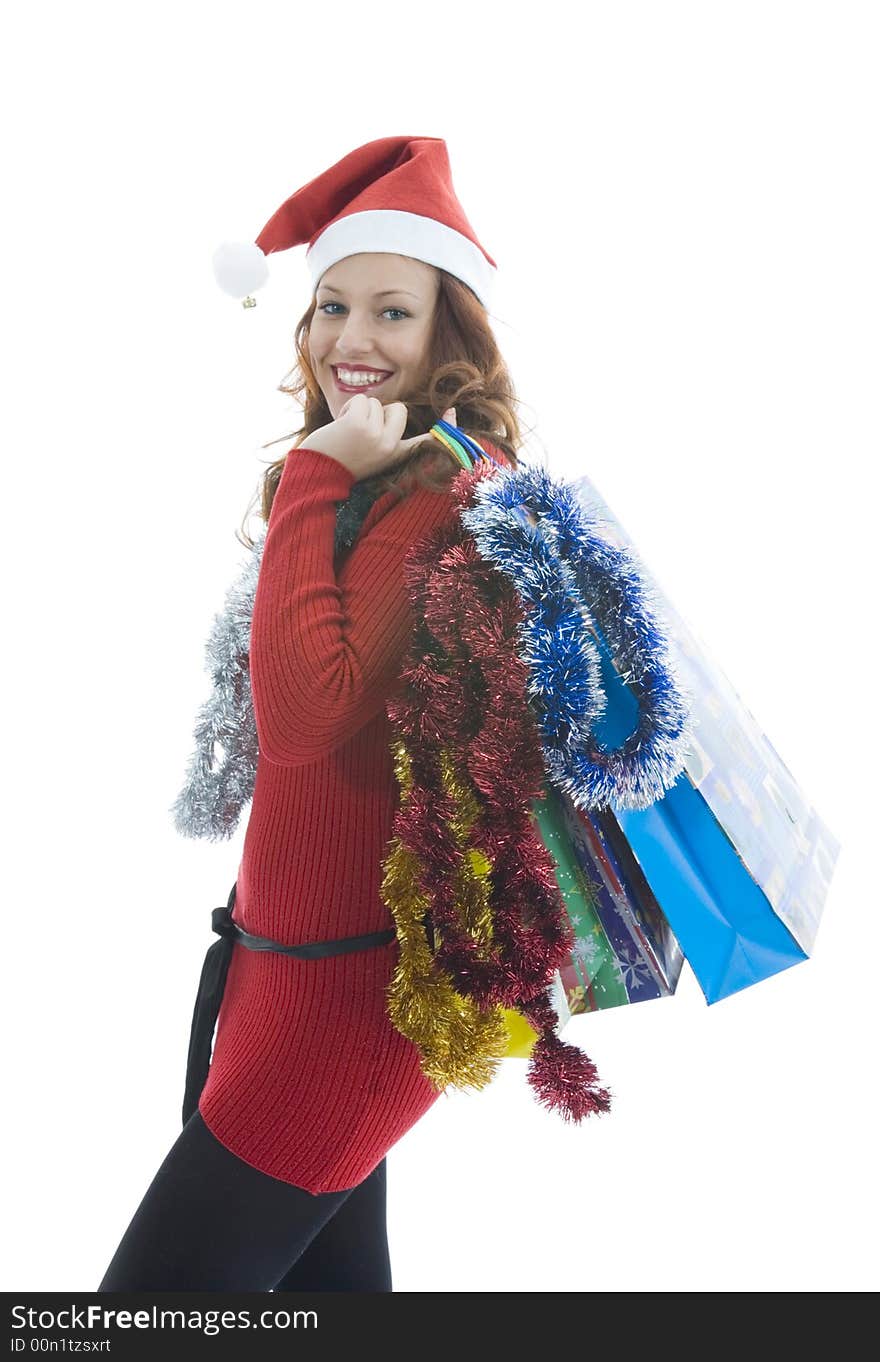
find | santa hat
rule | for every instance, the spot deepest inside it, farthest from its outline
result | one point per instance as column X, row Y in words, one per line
column 394, row 194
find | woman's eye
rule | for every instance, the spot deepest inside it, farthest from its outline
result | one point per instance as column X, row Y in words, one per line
column 323, row 306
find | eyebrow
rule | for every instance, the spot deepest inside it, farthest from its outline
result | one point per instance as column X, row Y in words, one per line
column 381, row 294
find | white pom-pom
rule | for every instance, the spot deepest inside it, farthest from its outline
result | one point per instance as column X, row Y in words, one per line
column 240, row 267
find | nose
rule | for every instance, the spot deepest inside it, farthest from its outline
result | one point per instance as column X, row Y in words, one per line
column 354, row 341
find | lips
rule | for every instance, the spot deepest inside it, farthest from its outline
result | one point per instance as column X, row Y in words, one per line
column 359, row 387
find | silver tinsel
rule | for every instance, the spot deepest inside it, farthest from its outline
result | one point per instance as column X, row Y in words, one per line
column 220, row 776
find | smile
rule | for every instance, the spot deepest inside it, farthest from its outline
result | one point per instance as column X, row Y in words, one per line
column 361, row 378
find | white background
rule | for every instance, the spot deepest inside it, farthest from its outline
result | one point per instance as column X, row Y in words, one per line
column 682, row 201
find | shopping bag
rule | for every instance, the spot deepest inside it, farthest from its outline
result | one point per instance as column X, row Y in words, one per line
column 625, row 951
column 738, row 860
column 648, row 954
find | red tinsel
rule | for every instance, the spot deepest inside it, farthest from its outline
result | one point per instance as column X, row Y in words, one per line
column 464, row 698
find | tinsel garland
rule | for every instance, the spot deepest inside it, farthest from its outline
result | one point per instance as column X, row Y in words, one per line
column 222, row 769
column 571, row 578
column 465, row 846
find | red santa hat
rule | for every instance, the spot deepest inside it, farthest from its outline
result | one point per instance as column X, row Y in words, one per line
column 394, row 194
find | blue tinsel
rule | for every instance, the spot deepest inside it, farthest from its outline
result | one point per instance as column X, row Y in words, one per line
column 570, row 578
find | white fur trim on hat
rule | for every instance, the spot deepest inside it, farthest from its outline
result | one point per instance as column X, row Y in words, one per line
column 399, row 233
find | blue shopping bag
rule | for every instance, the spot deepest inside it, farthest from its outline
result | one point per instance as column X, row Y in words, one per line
column 737, row 858
column 727, row 928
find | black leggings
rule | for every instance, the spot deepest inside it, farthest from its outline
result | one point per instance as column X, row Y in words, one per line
column 210, row 1222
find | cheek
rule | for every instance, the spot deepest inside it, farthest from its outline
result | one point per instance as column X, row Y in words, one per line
column 411, row 351
column 317, row 340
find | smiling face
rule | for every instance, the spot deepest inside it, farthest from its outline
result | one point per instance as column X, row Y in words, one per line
column 373, row 316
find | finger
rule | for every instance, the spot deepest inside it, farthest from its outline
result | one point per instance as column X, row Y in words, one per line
column 407, row 446
column 353, row 402
column 449, row 415
column 395, row 418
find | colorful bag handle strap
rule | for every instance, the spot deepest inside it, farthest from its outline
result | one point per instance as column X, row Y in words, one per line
column 463, row 446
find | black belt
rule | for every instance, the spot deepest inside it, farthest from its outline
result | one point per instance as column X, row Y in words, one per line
column 213, row 982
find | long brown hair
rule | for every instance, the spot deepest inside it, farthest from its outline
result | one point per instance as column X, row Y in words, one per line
column 464, row 369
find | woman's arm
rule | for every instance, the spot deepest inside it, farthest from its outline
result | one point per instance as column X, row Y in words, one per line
column 326, row 654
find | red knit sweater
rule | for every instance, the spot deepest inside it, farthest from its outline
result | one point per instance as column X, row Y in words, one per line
column 309, row 1080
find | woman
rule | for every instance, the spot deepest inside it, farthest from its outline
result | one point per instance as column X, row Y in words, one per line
column 277, row 1180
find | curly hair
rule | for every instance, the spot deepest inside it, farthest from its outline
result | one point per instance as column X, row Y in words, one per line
column 464, row 369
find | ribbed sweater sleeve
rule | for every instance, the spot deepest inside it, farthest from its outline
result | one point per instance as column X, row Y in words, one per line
column 324, row 653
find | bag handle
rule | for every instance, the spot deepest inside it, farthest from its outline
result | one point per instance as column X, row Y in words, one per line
column 463, row 446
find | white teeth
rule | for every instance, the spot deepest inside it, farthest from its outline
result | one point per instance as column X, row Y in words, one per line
column 360, row 380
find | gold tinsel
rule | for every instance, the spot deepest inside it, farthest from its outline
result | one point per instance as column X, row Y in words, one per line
column 472, row 883
column 459, row 1045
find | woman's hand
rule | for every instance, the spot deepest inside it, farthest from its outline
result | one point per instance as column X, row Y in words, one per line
column 365, row 437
